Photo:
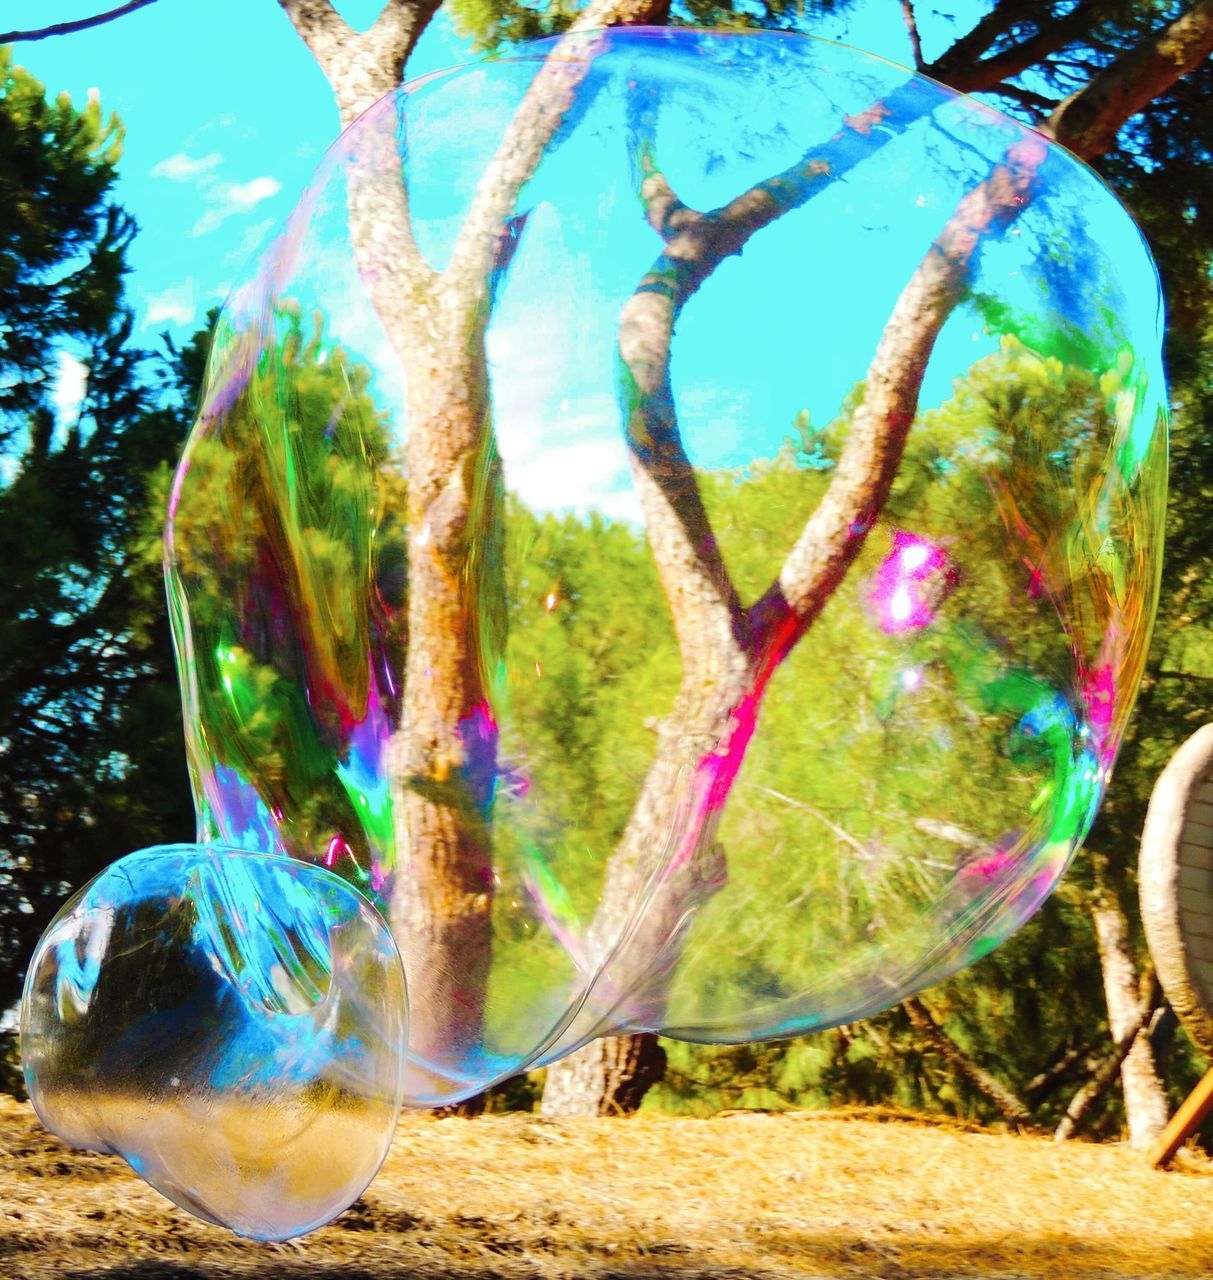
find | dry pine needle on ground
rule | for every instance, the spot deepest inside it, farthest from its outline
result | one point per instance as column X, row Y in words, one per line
column 736, row 1196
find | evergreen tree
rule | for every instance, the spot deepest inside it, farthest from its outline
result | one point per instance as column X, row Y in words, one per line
column 91, row 762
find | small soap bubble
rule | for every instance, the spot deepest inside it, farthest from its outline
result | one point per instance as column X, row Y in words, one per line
column 232, row 1024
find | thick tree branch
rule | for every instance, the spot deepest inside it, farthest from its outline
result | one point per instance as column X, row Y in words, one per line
column 362, row 68
column 1088, row 121
column 1124, row 990
column 864, row 475
column 321, row 28
column 1001, row 20
column 80, row 24
column 1072, row 1065
column 697, row 243
column 712, row 629
column 1034, row 102
column 707, row 615
column 526, row 138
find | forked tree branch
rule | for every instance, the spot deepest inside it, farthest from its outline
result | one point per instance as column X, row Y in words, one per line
column 1104, row 1076
column 988, row 74
column 986, row 33
column 360, row 66
column 711, row 627
column 1013, row 1110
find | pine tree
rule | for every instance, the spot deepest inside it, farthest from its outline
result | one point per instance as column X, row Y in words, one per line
column 91, row 763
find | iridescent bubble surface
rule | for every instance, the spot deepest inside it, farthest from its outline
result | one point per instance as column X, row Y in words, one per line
column 233, row 1025
column 690, row 563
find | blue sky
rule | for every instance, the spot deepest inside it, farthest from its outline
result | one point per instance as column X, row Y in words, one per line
column 226, row 117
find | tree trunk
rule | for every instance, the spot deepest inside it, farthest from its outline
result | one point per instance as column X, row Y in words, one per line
column 442, row 755
column 442, row 758
column 1145, row 1099
column 1100, row 1080
column 608, row 1076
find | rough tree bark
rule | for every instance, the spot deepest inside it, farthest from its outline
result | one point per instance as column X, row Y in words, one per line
column 615, row 1072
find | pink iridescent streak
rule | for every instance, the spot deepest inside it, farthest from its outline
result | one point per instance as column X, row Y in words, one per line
column 897, row 592
column 715, row 775
column 559, row 925
column 994, row 866
column 479, row 722
column 1099, row 693
column 1099, row 686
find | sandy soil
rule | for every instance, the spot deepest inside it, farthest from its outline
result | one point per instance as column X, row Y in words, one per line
column 734, row 1197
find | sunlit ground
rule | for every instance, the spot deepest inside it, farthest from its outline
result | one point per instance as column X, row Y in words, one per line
column 820, row 1195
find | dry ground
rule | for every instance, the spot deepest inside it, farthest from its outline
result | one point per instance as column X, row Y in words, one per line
column 733, row 1198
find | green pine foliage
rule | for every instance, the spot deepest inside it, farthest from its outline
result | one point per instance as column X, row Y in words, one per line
column 291, row 475
column 91, row 764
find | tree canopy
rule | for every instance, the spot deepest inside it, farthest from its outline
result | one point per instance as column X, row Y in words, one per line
column 90, row 757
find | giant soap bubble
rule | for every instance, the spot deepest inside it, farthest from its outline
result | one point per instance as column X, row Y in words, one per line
column 674, row 519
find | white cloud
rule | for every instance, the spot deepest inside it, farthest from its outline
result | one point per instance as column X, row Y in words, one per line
column 226, row 199
column 589, row 474
column 177, row 304
column 67, row 394
column 185, row 168
column 247, row 195
column 552, row 362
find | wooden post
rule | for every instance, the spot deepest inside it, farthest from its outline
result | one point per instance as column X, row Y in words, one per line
column 1184, row 1122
